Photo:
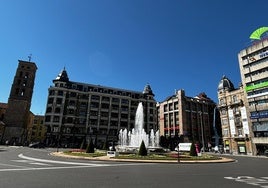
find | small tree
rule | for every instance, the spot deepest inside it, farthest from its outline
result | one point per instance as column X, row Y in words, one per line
column 193, row 150
column 90, row 147
column 142, row 150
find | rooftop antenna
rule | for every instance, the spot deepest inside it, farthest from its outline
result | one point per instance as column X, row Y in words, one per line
column 30, row 57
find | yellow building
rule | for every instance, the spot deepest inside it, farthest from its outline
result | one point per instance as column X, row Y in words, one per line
column 236, row 133
column 36, row 129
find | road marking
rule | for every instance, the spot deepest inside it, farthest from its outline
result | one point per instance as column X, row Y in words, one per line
column 59, row 162
column 80, row 164
column 31, row 162
column 22, row 161
column 41, row 164
column 261, row 182
column 3, row 164
column 43, row 168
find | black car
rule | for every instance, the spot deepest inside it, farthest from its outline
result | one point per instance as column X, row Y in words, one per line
column 37, row 145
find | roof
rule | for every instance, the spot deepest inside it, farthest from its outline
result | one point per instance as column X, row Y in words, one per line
column 3, row 105
column 225, row 84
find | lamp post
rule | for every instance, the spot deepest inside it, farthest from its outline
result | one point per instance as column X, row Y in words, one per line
column 202, row 132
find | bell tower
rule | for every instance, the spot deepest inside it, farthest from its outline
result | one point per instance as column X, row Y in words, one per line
column 19, row 103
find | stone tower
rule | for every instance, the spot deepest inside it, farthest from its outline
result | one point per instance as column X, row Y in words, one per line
column 19, row 103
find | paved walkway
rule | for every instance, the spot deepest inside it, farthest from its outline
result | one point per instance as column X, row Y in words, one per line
column 107, row 158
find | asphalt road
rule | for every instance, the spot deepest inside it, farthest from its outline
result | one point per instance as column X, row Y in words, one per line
column 35, row 168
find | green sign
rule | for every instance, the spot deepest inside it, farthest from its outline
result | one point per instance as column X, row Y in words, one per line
column 256, row 86
column 256, row 35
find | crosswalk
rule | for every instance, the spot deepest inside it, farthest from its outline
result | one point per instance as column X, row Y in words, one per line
column 256, row 181
column 26, row 163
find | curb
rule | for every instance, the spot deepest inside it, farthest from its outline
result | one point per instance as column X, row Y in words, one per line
column 106, row 158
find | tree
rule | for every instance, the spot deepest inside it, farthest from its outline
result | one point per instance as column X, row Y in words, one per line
column 90, row 147
column 193, row 150
column 142, row 150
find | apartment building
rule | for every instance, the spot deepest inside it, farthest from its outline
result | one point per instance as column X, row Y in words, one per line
column 190, row 119
column 253, row 63
column 77, row 112
column 236, row 135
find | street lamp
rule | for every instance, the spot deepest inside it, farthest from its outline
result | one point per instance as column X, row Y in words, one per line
column 202, row 132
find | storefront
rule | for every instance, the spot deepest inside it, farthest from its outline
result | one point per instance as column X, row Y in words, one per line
column 241, row 147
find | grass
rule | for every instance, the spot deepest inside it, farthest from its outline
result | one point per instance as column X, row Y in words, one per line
column 168, row 156
column 82, row 153
column 152, row 156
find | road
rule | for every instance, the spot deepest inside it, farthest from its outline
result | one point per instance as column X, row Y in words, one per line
column 36, row 168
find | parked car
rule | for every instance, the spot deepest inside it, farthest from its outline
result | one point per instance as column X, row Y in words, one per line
column 37, row 145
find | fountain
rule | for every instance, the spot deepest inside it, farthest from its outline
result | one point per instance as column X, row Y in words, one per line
column 132, row 139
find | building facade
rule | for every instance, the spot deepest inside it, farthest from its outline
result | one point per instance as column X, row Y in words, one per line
column 236, row 135
column 191, row 119
column 253, row 62
column 77, row 112
column 3, row 108
column 36, row 130
column 19, row 103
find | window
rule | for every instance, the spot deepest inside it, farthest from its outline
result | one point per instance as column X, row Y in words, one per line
column 170, row 106
column 176, row 118
column 51, row 92
column 73, row 94
column 240, row 132
column 50, row 101
column 125, row 101
column 222, row 102
column 60, row 93
column 71, row 111
column 165, row 108
column 69, row 120
column 24, row 83
column 47, row 119
column 56, row 129
column 124, row 116
column 95, row 97
column 115, row 100
column 56, row 119
column 57, row 110
column 22, row 92
column 225, row 132
column 234, row 98
column 59, row 101
column 71, row 103
column 176, row 104
column 224, row 121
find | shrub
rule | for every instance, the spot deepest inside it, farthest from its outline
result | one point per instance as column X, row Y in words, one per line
column 142, row 150
column 193, row 150
column 90, row 147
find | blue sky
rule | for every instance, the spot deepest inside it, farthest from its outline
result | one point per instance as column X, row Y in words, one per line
column 174, row 44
